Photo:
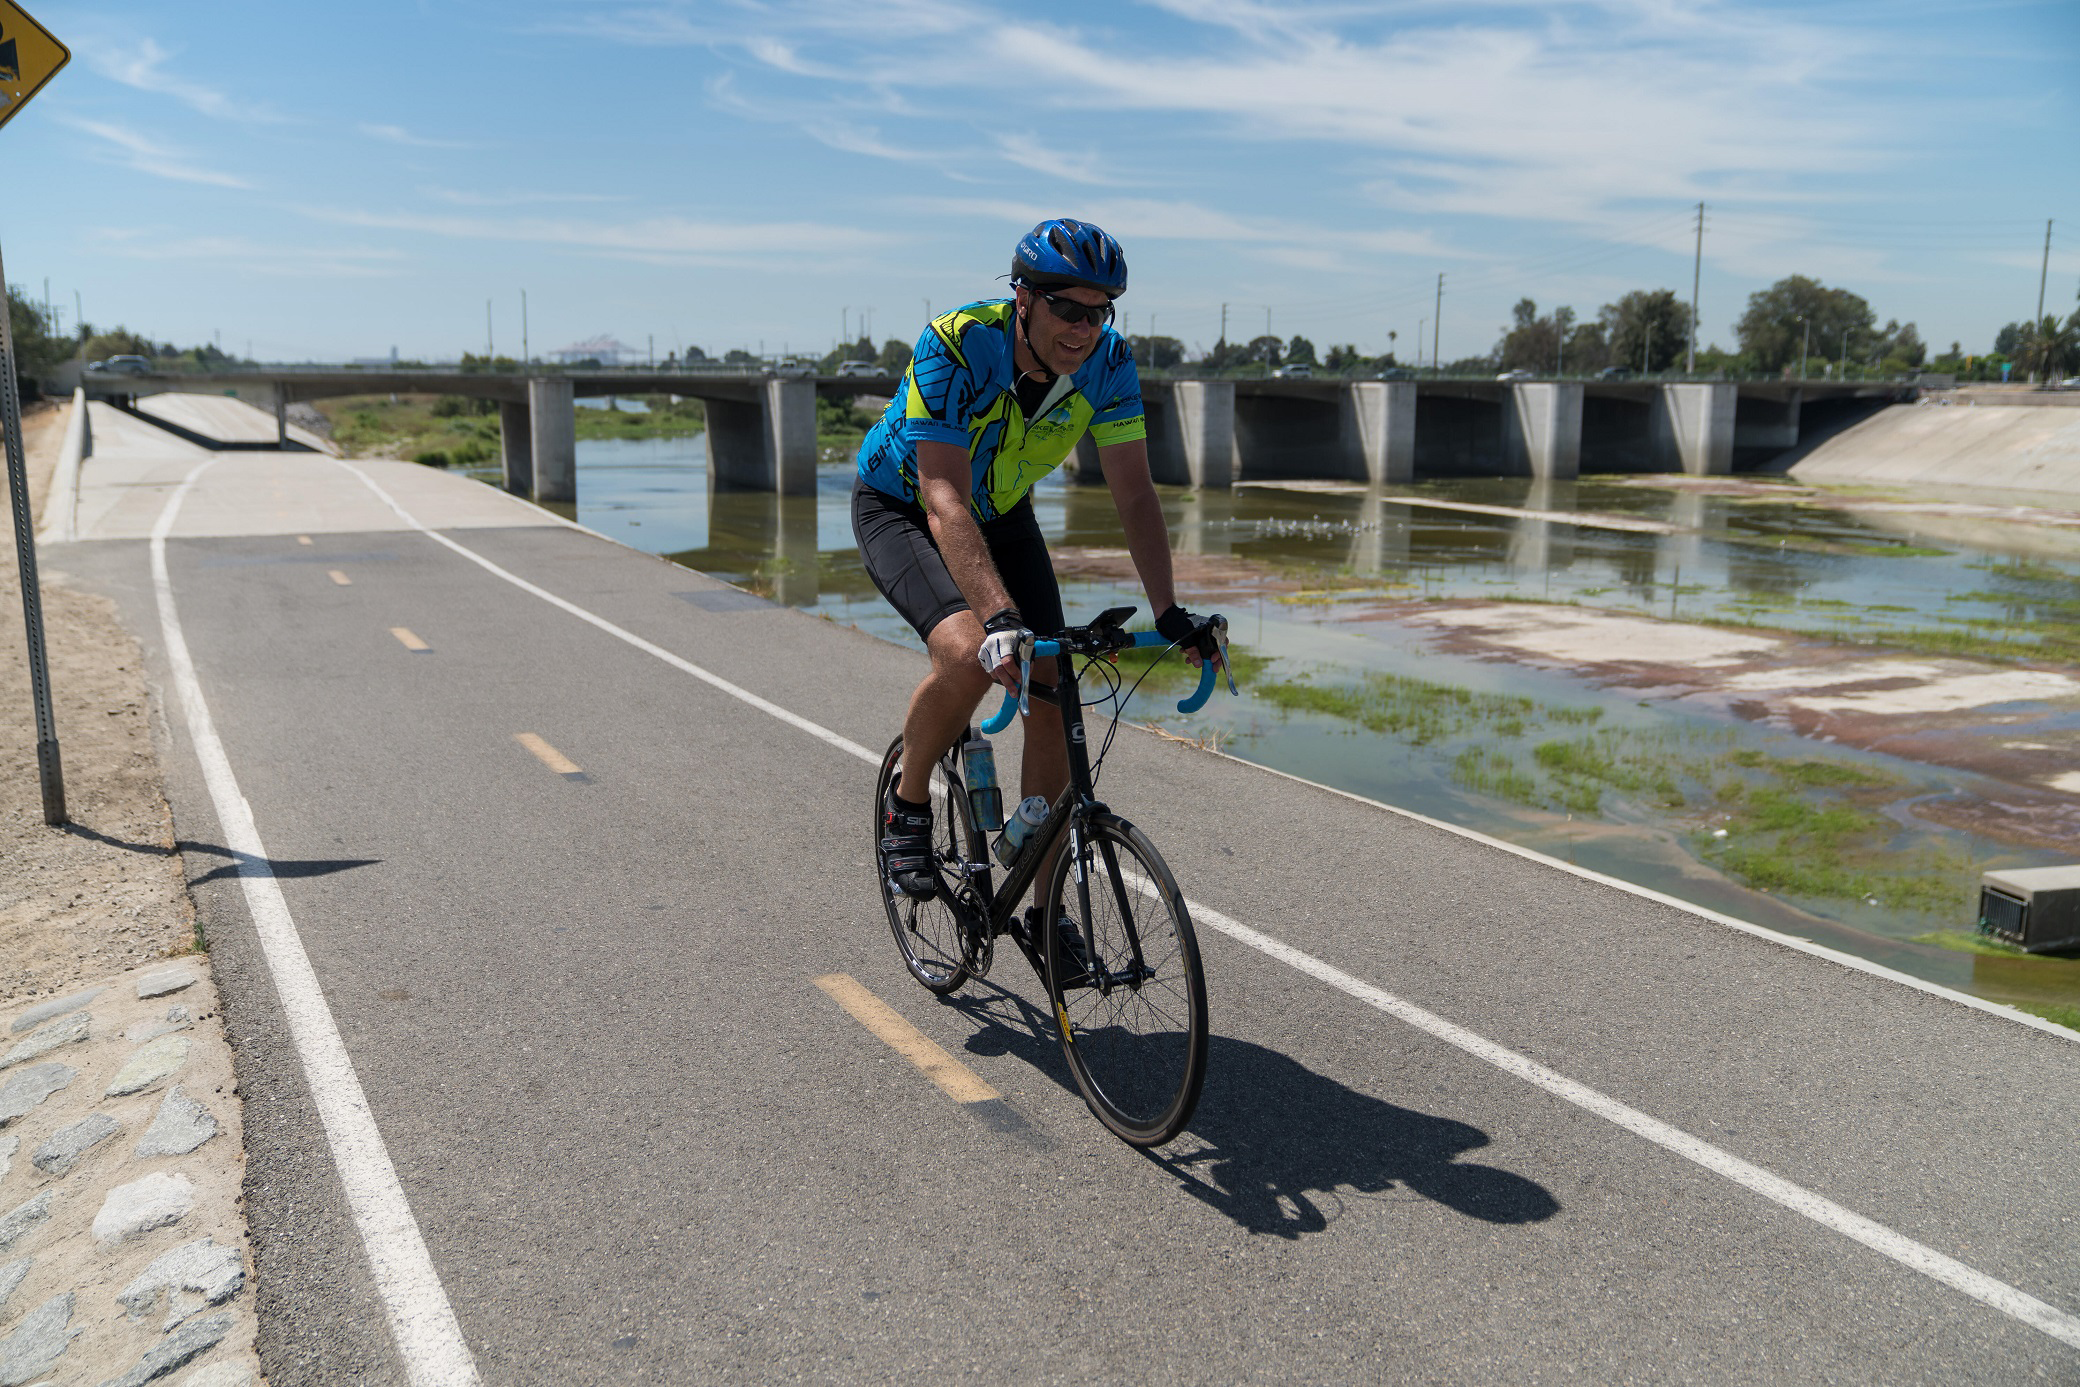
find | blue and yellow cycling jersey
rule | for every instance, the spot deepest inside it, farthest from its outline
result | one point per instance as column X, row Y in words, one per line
column 959, row 390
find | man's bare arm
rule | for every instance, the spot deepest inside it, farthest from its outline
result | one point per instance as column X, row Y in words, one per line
column 1141, row 515
column 943, row 481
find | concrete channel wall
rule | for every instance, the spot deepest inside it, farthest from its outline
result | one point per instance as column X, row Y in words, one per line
column 2016, row 447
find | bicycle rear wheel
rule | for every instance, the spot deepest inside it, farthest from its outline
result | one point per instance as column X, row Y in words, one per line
column 1132, row 1022
column 938, row 937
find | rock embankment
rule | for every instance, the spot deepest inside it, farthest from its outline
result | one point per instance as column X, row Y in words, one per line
column 123, row 1252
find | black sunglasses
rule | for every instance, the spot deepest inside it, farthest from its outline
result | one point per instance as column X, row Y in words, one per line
column 1070, row 311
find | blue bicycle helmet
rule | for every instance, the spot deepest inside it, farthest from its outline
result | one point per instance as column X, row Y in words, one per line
column 1065, row 252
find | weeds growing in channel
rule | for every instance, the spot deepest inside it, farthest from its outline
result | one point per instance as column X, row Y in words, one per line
column 1805, row 827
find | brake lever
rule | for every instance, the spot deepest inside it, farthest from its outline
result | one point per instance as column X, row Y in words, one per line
column 1025, row 675
column 1220, row 641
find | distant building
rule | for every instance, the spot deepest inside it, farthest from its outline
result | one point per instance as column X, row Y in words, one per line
column 603, row 349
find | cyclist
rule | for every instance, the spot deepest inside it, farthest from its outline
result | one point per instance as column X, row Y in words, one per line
column 996, row 396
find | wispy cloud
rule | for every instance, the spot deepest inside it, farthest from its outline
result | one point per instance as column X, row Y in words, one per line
column 1027, row 152
column 397, row 134
column 134, row 151
column 143, row 65
column 1159, row 220
column 252, row 257
column 1573, row 111
column 674, row 240
column 460, row 197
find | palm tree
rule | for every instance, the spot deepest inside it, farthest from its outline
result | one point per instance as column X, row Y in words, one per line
column 2050, row 346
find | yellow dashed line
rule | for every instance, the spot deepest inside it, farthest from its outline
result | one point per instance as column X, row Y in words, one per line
column 956, row 1079
column 338, row 577
column 410, row 641
column 548, row 755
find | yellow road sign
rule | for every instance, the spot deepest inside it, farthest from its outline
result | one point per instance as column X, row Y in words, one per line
column 29, row 57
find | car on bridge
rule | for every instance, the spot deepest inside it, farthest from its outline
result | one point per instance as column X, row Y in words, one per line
column 860, row 368
column 123, row 366
column 1517, row 375
column 1397, row 373
column 1299, row 370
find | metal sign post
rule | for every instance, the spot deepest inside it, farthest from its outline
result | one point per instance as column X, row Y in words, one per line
column 29, row 57
column 50, row 771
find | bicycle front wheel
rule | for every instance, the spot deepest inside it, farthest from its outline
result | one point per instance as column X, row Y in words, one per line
column 1125, row 980
column 937, row 936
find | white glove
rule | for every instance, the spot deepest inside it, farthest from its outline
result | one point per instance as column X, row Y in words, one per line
column 999, row 646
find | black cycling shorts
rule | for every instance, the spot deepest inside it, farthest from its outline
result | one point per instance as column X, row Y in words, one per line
column 895, row 541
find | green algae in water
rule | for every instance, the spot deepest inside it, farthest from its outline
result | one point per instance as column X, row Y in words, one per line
column 1958, row 941
column 1797, row 826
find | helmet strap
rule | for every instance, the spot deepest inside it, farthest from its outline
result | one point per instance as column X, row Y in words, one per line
column 1025, row 332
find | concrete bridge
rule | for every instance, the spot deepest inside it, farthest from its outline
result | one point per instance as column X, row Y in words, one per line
column 1202, row 433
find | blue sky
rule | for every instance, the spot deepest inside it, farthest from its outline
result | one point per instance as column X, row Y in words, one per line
column 330, row 181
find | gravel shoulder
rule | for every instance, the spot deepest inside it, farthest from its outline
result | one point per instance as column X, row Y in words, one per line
column 123, row 1246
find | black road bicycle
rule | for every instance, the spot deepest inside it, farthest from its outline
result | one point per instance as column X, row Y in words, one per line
column 1123, row 976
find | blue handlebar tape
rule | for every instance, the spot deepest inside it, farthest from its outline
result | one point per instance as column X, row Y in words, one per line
column 1001, row 719
column 1202, row 693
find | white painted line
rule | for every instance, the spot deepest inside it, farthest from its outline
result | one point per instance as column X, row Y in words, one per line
column 1825, row 1212
column 687, row 666
column 421, row 1321
column 1919, row 1257
column 1788, row 941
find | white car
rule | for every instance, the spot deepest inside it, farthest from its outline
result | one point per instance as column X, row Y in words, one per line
column 1297, row 371
column 860, row 368
column 1518, row 375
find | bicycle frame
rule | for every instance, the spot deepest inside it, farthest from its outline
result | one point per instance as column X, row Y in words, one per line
column 1078, row 802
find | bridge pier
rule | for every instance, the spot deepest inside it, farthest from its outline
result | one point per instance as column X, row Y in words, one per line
column 1204, row 414
column 766, row 444
column 1542, row 429
column 1379, row 421
column 552, row 436
column 1692, row 427
column 516, row 446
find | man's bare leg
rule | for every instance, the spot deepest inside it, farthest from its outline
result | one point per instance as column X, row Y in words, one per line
column 1044, row 771
column 943, row 703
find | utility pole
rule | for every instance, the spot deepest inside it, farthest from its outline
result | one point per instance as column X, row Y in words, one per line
column 2042, row 275
column 653, row 351
column 1646, row 355
column 79, row 314
column 1805, row 346
column 1437, row 323
column 50, row 770
column 1224, row 324
column 1845, row 353
column 1696, row 274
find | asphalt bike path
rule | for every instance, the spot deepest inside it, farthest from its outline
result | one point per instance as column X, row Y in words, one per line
column 576, row 980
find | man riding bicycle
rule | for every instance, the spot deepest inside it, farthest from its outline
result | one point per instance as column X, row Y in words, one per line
column 996, row 397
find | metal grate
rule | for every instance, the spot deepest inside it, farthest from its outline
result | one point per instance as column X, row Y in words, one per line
column 2002, row 915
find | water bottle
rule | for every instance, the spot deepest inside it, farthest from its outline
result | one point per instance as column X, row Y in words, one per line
column 985, row 800
column 1030, row 814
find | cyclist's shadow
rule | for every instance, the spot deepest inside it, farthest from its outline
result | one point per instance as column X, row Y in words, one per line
column 1276, row 1146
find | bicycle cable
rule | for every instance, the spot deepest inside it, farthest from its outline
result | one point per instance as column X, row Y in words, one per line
column 1109, row 668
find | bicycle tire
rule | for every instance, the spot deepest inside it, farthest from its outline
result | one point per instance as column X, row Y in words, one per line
column 1137, row 1048
column 937, row 937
